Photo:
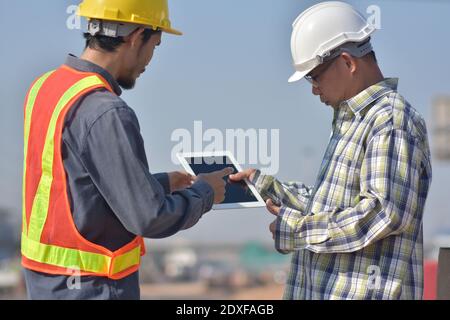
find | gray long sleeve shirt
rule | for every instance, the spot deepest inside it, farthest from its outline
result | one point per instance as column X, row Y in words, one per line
column 113, row 196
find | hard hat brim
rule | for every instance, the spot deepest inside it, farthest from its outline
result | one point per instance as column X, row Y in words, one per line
column 172, row 31
column 144, row 24
column 298, row 76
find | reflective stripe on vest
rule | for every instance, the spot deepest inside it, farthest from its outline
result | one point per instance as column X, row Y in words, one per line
column 27, row 123
column 84, row 261
column 107, row 263
column 41, row 199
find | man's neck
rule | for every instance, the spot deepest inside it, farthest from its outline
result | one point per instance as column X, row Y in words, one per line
column 371, row 77
column 105, row 60
column 371, row 80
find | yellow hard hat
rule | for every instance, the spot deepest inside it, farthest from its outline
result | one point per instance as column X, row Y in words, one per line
column 152, row 13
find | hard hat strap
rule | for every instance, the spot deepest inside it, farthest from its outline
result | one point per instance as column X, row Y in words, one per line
column 356, row 49
column 110, row 28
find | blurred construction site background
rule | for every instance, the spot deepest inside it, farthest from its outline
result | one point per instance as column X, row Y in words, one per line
column 229, row 70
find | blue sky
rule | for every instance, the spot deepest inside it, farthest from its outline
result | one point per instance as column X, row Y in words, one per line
column 229, row 70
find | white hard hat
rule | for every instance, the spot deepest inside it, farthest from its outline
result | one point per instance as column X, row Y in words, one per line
column 321, row 29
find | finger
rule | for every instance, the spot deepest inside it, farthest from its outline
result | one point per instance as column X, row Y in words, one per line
column 238, row 176
column 220, row 200
column 225, row 172
column 273, row 209
column 188, row 182
column 272, row 227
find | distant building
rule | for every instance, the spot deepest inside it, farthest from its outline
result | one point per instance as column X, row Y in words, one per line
column 441, row 128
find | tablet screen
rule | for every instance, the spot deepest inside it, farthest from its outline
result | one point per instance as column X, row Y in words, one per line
column 235, row 191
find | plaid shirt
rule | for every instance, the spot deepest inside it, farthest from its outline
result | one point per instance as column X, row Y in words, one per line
column 358, row 233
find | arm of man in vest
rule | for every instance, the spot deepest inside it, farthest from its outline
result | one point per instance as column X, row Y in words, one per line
column 114, row 156
column 390, row 176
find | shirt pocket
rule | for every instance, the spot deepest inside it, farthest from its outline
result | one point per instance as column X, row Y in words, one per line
column 346, row 177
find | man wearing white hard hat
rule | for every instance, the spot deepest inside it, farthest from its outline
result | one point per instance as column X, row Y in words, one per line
column 357, row 233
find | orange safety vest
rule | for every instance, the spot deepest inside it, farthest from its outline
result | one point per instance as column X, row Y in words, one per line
column 51, row 242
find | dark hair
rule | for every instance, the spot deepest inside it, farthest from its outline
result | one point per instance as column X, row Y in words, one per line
column 110, row 44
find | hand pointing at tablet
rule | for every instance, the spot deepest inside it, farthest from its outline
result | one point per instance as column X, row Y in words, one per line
column 216, row 181
column 244, row 175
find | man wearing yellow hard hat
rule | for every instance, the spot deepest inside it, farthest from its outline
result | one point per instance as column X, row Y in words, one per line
column 89, row 198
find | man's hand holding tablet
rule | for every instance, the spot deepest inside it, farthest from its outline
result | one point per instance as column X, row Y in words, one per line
column 216, row 181
column 239, row 192
column 243, row 175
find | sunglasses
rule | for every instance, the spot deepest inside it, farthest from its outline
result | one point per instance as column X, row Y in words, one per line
column 314, row 79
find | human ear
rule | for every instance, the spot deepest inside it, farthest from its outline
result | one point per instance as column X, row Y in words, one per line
column 350, row 62
column 133, row 38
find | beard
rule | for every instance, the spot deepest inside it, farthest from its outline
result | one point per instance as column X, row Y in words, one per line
column 126, row 83
column 128, row 80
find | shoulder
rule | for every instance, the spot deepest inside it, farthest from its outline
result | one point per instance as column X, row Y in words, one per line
column 99, row 108
column 95, row 105
column 394, row 112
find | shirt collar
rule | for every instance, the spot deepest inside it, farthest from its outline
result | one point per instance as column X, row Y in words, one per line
column 87, row 66
column 369, row 95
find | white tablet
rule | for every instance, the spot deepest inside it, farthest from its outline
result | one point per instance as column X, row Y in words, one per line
column 238, row 194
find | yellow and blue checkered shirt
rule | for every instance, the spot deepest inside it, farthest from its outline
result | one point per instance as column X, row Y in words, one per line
column 358, row 233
